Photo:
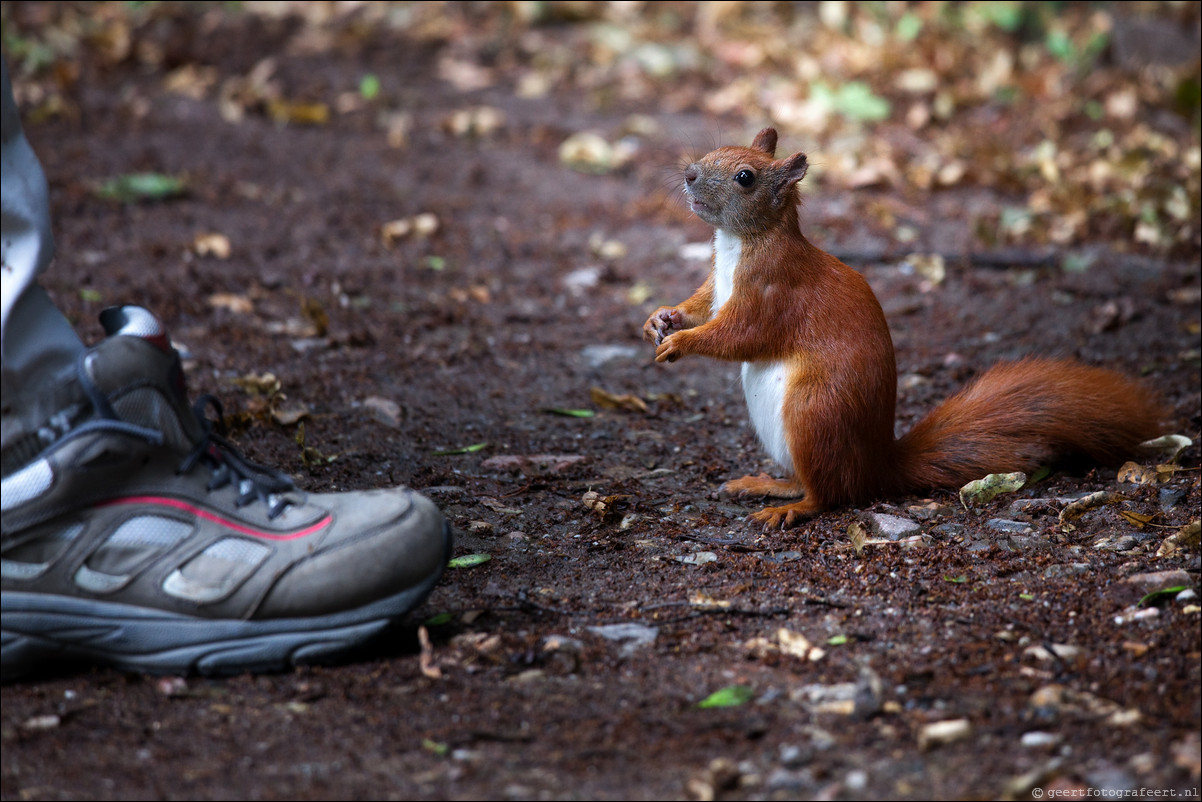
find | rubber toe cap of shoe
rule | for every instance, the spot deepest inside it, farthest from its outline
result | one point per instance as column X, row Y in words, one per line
column 381, row 544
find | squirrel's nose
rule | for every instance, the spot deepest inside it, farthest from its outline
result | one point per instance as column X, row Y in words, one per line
column 690, row 174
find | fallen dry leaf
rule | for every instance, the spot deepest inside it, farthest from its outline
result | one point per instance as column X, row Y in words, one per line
column 1167, row 448
column 290, row 413
column 604, row 506
column 938, row 733
column 466, row 76
column 858, row 535
column 191, row 80
column 1187, row 537
column 428, row 667
column 981, row 491
column 477, row 121
column 422, row 225
column 1083, row 505
column 295, row 113
column 587, row 152
column 498, row 506
column 1138, row 519
column 258, row 383
column 1134, row 473
column 608, row 400
column 798, row 645
column 215, row 245
column 234, row 303
column 704, row 601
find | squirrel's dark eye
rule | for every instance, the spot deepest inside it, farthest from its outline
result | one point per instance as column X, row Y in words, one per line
column 745, row 178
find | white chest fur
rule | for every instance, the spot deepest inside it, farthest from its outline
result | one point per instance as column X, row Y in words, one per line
column 763, row 382
column 727, row 249
column 764, row 389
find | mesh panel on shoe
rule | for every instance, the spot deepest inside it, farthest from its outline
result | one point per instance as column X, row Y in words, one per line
column 130, row 546
column 217, row 571
column 146, row 406
column 26, row 484
column 31, row 559
column 239, row 550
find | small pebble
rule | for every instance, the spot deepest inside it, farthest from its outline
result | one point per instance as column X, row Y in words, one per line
column 46, row 722
column 1066, row 569
column 892, row 527
column 793, row 756
column 948, row 530
column 939, row 733
column 632, row 636
column 1038, row 738
column 1132, row 616
column 696, row 558
column 1008, row 526
column 1170, row 497
column 172, row 686
column 1058, row 651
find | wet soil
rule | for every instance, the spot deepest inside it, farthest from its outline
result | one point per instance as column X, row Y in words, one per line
column 486, row 332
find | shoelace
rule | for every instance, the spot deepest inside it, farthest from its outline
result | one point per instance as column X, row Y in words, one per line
column 255, row 482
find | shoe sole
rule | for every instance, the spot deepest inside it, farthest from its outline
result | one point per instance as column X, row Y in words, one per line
column 39, row 629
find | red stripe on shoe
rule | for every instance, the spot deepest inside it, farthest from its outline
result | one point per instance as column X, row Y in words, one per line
column 217, row 519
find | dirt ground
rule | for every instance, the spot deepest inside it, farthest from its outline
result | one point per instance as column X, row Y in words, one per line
column 997, row 652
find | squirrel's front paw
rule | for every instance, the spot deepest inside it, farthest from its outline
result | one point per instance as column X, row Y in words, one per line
column 671, row 348
column 662, row 322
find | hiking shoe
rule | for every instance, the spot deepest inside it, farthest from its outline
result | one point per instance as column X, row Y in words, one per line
column 140, row 538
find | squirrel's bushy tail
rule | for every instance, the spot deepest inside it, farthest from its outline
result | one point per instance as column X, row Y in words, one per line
column 1020, row 415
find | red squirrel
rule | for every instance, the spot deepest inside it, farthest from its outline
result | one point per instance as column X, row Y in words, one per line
column 818, row 366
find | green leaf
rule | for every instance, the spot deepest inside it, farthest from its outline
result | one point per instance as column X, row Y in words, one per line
column 439, row 620
column 87, row 294
column 908, row 26
column 1061, row 46
column 469, row 561
column 1005, row 14
column 463, row 450
column 141, row 186
column 571, row 413
column 1027, row 596
column 1015, row 220
column 1077, row 262
column 730, row 696
column 979, row 492
column 436, row 747
column 436, row 263
column 854, row 100
column 1007, row 95
column 369, row 87
column 957, row 579
column 1041, row 473
column 1187, row 98
column 1163, row 594
column 837, row 640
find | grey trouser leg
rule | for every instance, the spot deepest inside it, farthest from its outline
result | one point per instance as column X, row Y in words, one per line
column 38, row 347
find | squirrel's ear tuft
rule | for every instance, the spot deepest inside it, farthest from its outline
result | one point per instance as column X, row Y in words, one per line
column 793, row 169
column 765, row 140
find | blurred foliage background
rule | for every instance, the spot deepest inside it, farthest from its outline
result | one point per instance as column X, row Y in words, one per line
column 1081, row 119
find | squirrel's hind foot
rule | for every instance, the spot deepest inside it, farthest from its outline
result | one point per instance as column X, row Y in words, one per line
column 763, row 485
column 786, row 515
